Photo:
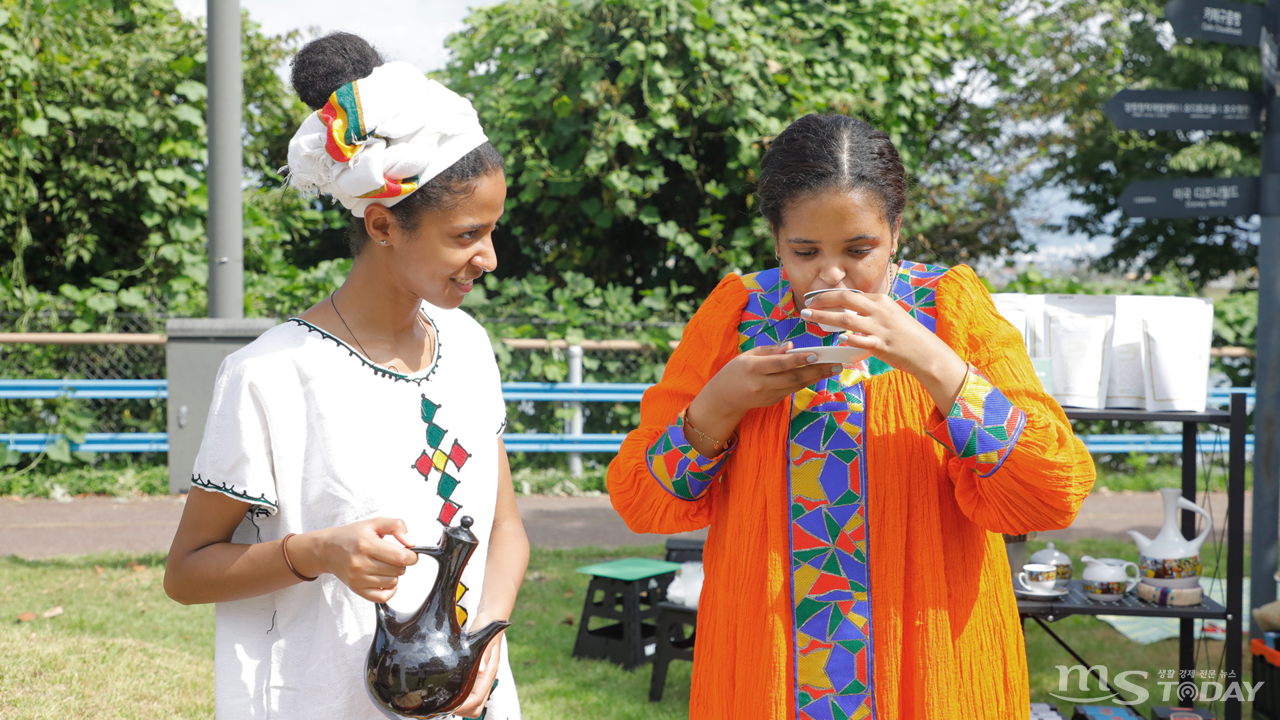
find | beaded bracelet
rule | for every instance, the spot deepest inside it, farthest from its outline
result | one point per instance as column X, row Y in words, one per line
column 716, row 445
column 284, row 548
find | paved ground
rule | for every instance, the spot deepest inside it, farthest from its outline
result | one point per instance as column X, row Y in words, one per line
column 44, row 528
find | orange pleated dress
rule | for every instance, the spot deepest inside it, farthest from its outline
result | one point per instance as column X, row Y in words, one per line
column 854, row 565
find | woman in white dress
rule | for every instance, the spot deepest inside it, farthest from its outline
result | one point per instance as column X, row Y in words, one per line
column 369, row 424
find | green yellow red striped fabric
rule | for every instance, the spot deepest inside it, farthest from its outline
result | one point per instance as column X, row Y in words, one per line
column 343, row 117
column 393, row 188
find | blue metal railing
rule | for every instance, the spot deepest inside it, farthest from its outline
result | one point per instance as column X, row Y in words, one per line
column 512, row 391
column 93, row 442
column 84, row 389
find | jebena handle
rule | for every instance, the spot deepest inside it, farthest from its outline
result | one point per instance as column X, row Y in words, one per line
column 1186, row 504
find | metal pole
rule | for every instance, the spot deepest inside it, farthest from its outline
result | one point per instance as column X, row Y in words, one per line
column 575, row 422
column 1266, row 363
column 1235, row 548
column 1186, row 626
column 226, row 229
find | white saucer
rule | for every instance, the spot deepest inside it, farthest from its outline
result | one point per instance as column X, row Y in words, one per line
column 842, row 354
column 1038, row 595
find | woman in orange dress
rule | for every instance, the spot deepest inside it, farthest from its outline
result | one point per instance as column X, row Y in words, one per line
column 854, row 564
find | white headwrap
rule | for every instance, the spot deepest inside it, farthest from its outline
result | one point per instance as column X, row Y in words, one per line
column 380, row 138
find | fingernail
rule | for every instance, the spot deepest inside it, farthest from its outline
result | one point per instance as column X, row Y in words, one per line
column 806, row 313
column 837, row 370
column 812, row 359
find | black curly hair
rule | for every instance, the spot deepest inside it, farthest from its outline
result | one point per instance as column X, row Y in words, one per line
column 820, row 152
column 326, row 64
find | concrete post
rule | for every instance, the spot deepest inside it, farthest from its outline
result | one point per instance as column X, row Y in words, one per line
column 194, row 352
column 575, row 422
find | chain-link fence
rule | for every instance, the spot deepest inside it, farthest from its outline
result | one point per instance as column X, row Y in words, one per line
column 96, row 361
column 634, row 362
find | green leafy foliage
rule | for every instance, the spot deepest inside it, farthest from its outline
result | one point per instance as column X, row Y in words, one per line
column 1101, row 48
column 633, row 128
column 577, row 310
column 103, row 147
column 104, row 202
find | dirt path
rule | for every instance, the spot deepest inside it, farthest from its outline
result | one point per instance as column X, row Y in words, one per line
column 44, row 528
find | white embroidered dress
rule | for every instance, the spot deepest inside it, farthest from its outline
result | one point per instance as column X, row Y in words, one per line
column 314, row 436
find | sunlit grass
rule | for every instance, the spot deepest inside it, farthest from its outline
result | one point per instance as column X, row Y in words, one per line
column 122, row 649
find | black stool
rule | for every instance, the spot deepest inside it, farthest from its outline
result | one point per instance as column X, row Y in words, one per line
column 627, row 591
column 676, row 627
column 681, row 550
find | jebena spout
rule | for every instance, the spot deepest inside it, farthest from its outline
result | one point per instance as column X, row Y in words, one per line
column 480, row 639
column 1141, row 540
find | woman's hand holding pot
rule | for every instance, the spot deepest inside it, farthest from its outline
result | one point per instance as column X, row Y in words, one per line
column 357, row 555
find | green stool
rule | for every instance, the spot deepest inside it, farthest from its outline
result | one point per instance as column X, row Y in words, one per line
column 627, row 592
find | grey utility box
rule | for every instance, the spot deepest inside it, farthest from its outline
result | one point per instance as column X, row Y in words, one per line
column 196, row 348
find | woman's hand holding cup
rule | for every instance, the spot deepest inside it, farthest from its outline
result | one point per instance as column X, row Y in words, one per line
column 759, row 377
column 876, row 322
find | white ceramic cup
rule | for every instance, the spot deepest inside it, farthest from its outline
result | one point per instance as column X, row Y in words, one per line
column 809, row 296
column 1038, row 577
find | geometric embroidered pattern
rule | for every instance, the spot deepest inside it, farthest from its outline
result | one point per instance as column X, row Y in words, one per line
column 770, row 315
column 436, row 461
column 915, row 288
column 830, row 579
column 678, row 467
column 982, row 427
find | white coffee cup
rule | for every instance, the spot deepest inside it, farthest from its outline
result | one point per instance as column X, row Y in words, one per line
column 809, row 296
column 1038, row 577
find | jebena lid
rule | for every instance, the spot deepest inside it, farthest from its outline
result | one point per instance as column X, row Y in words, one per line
column 1050, row 556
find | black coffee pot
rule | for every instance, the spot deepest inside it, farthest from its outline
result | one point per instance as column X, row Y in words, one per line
column 424, row 665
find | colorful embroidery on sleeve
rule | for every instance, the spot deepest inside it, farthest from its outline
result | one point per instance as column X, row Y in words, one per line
column 679, row 467
column 982, row 427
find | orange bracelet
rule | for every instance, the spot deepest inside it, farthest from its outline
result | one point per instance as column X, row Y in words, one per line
column 284, row 548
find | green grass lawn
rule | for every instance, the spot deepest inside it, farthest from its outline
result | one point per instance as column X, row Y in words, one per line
column 121, row 642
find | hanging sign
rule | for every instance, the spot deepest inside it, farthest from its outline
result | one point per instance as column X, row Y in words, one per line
column 1220, row 20
column 1202, row 197
column 1234, row 111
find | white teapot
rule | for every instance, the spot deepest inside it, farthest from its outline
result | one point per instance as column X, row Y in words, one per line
column 1169, row 560
column 1107, row 579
